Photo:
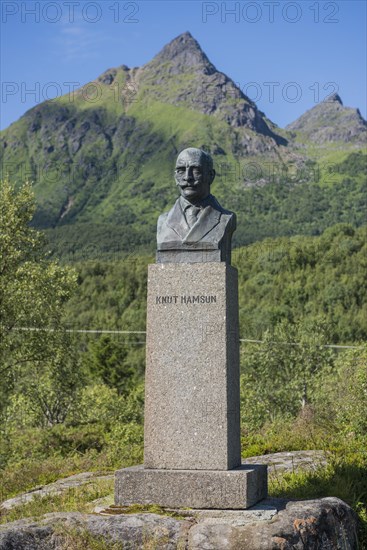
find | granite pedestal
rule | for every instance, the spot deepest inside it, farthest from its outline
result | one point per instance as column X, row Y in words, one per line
column 238, row 488
column 192, row 453
column 192, row 402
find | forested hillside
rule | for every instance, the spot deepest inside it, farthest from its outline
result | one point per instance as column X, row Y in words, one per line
column 279, row 279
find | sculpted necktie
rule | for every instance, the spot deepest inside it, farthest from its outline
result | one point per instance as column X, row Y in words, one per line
column 192, row 213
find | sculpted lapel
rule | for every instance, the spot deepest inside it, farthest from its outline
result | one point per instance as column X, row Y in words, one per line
column 176, row 220
column 207, row 220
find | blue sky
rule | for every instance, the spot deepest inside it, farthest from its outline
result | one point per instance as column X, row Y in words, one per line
column 287, row 56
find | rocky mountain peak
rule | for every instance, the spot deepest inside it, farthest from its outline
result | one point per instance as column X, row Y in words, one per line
column 334, row 98
column 331, row 121
column 185, row 54
column 182, row 75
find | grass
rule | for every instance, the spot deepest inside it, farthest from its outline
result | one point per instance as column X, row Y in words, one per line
column 28, row 474
column 73, row 539
column 76, row 499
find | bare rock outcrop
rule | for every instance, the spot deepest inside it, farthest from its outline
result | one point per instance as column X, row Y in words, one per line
column 273, row 524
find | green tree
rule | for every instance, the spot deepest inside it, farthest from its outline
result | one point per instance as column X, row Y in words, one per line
column 52, row 386
column 349, row 393
column 108, row 359
column 284, row 373
column 32, row 289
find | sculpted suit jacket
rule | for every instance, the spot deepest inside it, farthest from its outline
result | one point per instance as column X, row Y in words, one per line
column 209, row 239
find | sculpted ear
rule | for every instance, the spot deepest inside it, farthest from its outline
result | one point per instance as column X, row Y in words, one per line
column 212, row 173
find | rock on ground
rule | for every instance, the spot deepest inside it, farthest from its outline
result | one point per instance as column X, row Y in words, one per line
column 320, row 524
column 57, row 531
column 290, row 461
column 273, row 524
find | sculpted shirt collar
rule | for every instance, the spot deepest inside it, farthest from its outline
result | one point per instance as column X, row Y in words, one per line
column 208, row 201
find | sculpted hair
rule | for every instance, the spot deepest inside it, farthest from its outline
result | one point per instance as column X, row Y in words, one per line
column 202, row 154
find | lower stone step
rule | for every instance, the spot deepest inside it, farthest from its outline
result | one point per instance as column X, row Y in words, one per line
column 238, row 488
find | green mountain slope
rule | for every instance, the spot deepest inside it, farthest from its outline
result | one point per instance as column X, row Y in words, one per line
column 101, row 158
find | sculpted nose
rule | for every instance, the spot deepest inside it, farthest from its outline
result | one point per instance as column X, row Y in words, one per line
column 188, row 174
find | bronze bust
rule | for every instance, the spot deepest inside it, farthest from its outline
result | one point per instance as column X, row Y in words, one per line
column 197, row 228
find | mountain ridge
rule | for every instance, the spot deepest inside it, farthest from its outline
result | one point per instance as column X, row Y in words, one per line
column 107, row 161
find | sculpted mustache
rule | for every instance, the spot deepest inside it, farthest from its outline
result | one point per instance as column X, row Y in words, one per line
column 183, row 185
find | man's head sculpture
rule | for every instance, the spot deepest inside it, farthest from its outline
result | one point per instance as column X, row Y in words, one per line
column 194, row 174
column 197, row 228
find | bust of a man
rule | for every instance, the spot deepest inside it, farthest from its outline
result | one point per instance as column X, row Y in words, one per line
column 197, row 228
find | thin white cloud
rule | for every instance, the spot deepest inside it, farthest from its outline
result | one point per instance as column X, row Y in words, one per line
column 76, row 41
column 73, row 31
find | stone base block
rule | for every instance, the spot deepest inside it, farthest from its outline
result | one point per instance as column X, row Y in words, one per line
column 239, row 488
